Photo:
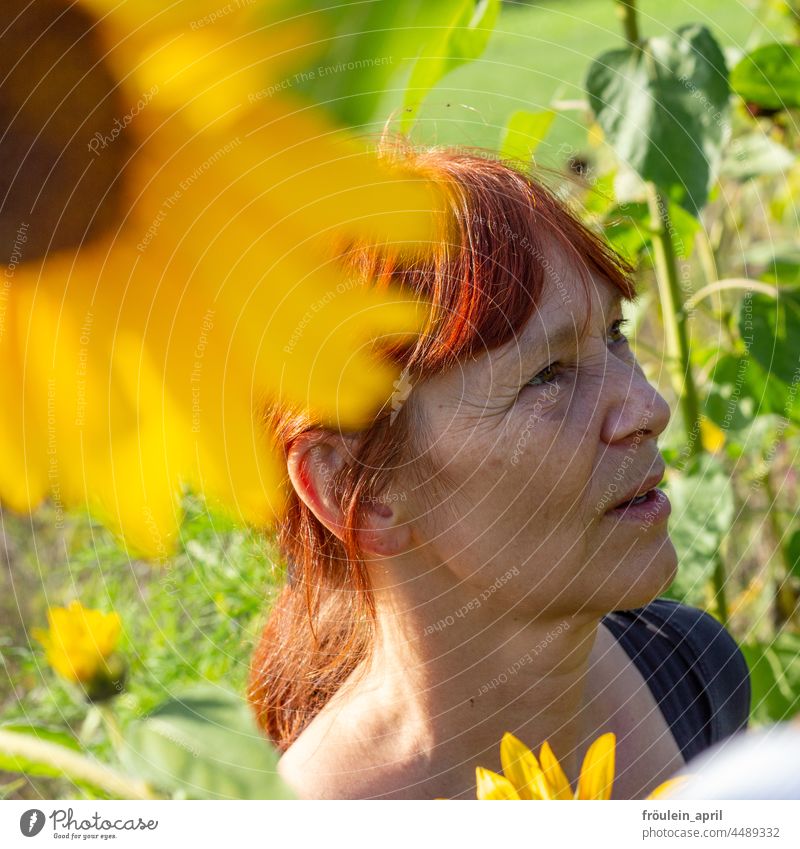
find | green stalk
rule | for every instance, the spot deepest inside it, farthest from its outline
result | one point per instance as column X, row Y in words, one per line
column 675, row 318
column 675, row 315
column 785, row 600
column 626, row 11
column 73, row 764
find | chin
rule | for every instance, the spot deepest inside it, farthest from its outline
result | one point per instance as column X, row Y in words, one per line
column 649, row 575
column 659, row 572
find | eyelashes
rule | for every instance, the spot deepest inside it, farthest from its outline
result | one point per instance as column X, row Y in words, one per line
column 550, row 373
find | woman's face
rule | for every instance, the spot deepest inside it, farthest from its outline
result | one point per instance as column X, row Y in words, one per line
column 533, row 444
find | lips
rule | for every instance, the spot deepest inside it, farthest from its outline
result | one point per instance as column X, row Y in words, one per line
column 649, row 483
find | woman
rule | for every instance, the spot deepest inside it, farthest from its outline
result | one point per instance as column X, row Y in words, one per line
column 454, row 569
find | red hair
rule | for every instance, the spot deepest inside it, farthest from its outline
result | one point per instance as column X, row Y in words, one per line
column 483, row 280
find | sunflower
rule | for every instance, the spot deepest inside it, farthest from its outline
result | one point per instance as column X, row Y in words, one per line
column 170, row 268
column 526, row 777
column 80, row 644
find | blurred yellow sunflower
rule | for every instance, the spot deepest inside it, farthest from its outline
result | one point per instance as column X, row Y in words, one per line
column 171, row 272
column 80, row 643
column 526, row 777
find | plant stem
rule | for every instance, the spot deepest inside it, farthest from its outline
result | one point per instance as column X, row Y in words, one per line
column 785, row 601
column 675, row 318
column 720, row 593
column 112, row 726
column 626, row 10
column 730, row 283
column 73, row 764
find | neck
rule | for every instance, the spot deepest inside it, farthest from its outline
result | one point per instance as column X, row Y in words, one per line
column 448, row 680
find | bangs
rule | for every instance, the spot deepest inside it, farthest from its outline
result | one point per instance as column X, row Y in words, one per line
column 500, row 247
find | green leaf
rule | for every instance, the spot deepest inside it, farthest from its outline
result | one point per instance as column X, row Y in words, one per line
column 774, row 677
column 367, row 44
column 741, row 390
column 702, row 512
column 627, row 226
column 663, row 108
column 770, row 329
column 524, row 132
column 774, row 262
column 205, row 745
column 463, row 39
column 769, row 76
column 755, row 155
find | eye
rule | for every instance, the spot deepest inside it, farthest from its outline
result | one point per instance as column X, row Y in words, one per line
column 616, row 330
column 546, row 375
column 550, row 373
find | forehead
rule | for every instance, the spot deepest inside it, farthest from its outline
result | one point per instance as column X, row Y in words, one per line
column 574, row 302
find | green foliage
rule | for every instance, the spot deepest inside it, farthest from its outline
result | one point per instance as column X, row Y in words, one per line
column 524, row 132
column 769, row 76
column 662, row 106
column 775, row 677
column 755, row 155
column 627, row 226
column 702, row 504
column 463, row 38
column 367, row 45
column 204, row 744
column 29, row 766
column 771, row 327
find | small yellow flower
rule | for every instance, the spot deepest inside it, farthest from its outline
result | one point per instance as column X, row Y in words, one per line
column 80, row 644
column 525, row 777
column 712, row 436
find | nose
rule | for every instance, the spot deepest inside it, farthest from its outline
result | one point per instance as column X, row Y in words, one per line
column 635, row 408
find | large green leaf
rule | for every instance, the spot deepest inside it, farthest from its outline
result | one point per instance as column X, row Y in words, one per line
column 769, row 76
column 702, row 512
column 524, row 132
column 742, row 390
column 754, row 155
column 205, row 745
column 663, row 108
column 770, row 328
column 366, row 45
column 775, row 677
column 463, row 39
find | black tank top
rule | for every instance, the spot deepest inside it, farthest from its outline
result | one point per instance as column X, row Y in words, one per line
column 693, row 667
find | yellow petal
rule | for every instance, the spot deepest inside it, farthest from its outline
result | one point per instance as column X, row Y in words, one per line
column 668, row 787
column 597, row 773
column 493, row 786
column 554, row 774
column 522, row 769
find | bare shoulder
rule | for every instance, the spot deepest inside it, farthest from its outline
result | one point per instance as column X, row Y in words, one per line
column 333, row 758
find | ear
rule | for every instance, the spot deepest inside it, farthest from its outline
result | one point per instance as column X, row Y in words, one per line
column 313, row 461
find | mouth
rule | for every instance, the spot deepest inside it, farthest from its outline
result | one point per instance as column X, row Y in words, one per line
column 644, row 502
